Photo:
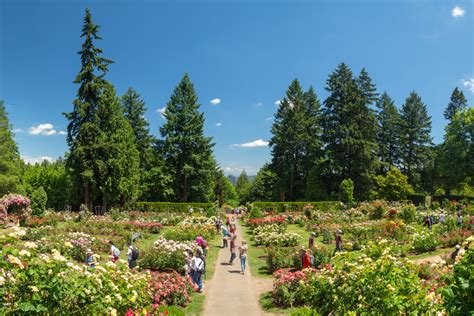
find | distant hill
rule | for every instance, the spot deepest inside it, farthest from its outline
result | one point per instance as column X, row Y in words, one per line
column 233, row 178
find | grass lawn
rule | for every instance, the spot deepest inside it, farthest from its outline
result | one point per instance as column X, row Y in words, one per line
column 196, row 306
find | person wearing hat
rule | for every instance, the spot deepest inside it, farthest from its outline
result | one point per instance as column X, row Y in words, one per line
column 90, row 259
column 311, row 240
column 455, row 252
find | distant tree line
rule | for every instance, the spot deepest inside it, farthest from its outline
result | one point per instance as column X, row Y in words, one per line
column 361, row 135
column 355, row 140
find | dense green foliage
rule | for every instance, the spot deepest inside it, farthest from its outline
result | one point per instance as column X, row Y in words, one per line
column 10, row 163
column 393, row 186
column 296, row 143
column 388, row 134
column 296, row 206
column 346, row 191
column 39, row 198
column 187, row 152
column 161, row 207
column 415, row 138
column 103, row 157
column 53, row 178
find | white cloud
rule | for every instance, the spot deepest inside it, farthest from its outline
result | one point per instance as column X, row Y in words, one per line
column 258, row 104
column 458, row 12
column 237, row 170
column 18, row 130
column 46, row 129
column 255, row 143
column 62, row 133
column 218, row 124
column 34, row 160
column 277, row 102
column 269, row 118
column 162, row 111
column 469, row 84
column 215, row 101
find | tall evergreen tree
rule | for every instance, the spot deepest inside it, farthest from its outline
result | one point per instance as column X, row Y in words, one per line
column 263, row 187
column 242, row 187
column 134, row 109
column 350, row 131
column 457, row 103
column 103, row 156
column 287, row 142
column 188, row 153
column 154, row 181
column 388, row 134
column 415, row 139
column 368, row 88
column 117, row 160
column 10, row 162
column 457, row 151
column 312, row 141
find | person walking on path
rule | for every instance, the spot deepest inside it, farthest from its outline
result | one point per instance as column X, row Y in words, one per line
column 306, row 260
column 243, row 255
column 132, row 255
column 233, row 249
column 198, row 265
column 225, row 237
column 311, row 240
column 227, row 222
column 114, row 252
column 338, row 241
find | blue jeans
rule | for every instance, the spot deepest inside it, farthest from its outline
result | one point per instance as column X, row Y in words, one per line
column 232, row 257
column 197, row 279
column 242, row 262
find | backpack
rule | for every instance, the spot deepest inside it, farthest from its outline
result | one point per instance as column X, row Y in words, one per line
column 135, row 253
column 202, row 266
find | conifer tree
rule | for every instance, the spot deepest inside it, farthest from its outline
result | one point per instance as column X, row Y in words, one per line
column 154, row 181
column 10, row 162
column 415, row 139
column 187, row 152
column 134, row 109
column 388, row 134
column 312, row 142
column 103, row 156
column 350, row 131
column 287, row 142
column 242, row 187
column 457, row 103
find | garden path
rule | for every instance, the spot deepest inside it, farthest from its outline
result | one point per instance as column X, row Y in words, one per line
column 229, row 292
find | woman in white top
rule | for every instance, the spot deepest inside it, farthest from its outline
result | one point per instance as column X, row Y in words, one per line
column 198, row 265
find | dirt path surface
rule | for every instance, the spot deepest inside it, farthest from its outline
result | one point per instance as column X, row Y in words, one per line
column 432, row 259
column 230, row 292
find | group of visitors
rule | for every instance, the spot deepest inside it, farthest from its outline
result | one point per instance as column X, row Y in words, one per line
column 229, row 236
column 114, row 254
column 430, row 220
column 306, row 255
column 195, row 266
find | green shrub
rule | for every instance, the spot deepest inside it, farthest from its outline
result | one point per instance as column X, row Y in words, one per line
column 163, row 207
column 346, row 189
column 459, row 292
column 280, row 258
column 256, row 212
column 39, row 198
column 281, row 207
column 408, row 213
column 393, row 186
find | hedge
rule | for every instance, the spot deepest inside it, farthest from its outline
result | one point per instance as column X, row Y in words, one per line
column 296, row 206
column 164, row 207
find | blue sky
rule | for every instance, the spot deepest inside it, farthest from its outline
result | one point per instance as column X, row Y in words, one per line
column 241, row 54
